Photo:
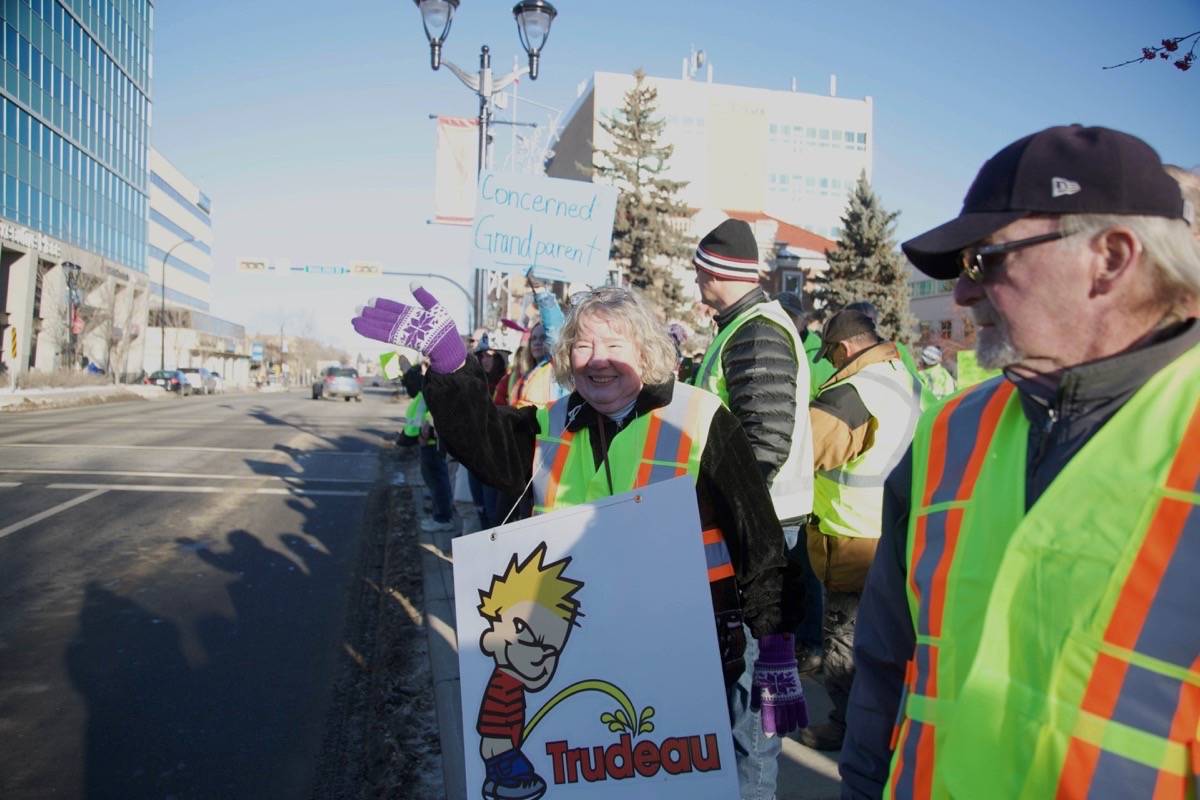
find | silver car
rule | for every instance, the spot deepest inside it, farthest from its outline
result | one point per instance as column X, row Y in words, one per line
column 338, row 382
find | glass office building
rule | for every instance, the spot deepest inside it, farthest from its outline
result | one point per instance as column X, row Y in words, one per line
column 76, row 117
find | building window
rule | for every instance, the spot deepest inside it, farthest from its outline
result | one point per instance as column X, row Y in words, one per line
column 793, row 282
column 947, row 328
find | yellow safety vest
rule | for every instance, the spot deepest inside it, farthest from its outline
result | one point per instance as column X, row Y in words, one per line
column 662, row 444
column 1057, row 651
column 848, row 500
column 792, row 485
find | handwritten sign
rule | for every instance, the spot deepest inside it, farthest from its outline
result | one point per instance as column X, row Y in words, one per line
column 588, row 655
column 561, row 228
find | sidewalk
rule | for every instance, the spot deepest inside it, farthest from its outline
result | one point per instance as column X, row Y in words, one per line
column 804, row 774
column 36, row 399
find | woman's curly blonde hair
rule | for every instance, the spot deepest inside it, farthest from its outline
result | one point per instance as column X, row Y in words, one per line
column 627, row 311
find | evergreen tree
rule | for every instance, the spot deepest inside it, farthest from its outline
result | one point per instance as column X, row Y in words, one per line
column 867, row 265
column 648, row 234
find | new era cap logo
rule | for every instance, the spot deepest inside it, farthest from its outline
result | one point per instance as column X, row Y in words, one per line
column 1060, row 187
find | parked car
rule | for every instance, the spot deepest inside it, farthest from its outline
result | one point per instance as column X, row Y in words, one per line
column 338, row 382
column 199, row 379
column 170, row 379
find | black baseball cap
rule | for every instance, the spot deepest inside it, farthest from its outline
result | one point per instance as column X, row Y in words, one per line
column 845, row 324
column 1067, row 169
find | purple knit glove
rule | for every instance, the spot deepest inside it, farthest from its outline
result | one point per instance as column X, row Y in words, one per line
column 427, row 329
column 775, row 688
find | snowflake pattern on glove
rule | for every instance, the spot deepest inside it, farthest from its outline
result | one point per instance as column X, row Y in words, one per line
column 779, row 684
column 421, row 329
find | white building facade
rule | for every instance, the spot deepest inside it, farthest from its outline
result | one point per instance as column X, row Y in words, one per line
column 792, row 155
column 183, row 332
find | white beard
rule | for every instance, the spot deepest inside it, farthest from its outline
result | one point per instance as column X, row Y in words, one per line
column 994, row 348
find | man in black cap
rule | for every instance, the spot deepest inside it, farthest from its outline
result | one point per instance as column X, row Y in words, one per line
column 1028, row 626
column 756, row 365
column 862, row 421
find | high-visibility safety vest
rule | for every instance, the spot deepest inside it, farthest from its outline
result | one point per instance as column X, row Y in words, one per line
column 938, row 380
column 663, row 444
column 820, row 369
column 792, row 485
column 928, row 399
column 1057, row 651
column 535, row 387
column 417, row 413
column 848, row 499
column 969, row 371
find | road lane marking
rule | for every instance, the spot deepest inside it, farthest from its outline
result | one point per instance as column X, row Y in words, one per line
column 135, row 487
column 50, row 512
column 9, row 484
column 303, row 454
column 198, row 475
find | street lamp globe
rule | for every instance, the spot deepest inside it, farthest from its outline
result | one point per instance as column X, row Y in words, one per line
column 533, row 26
column 436, row 16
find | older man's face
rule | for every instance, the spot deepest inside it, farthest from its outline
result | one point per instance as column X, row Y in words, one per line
column 1024, row 307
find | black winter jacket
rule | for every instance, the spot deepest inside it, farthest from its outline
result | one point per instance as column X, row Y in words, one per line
column 760, row 375
column 496, row 444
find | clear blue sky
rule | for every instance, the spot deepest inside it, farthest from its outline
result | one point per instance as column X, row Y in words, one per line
column 307, row 122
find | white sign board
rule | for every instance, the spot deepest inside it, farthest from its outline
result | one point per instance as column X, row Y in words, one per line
column 561, row 228
column 588, row 652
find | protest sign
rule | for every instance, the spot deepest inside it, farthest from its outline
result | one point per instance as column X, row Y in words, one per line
column 588, row 653
column 561, row 228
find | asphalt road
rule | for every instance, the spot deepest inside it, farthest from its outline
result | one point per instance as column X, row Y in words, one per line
column 173, row 586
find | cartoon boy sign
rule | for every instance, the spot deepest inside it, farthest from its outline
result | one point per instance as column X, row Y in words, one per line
column 530, row 611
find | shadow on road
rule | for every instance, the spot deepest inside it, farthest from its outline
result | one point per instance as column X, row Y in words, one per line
column 245, row 719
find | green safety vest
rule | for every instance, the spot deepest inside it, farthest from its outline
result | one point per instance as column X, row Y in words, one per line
column 663, row 444
column 848, row 500
column 969, row 371
column 416, row 413
column 928, row 400
column 1057, row 650
column 938, row 380
column 792, row 485
column 820, row 370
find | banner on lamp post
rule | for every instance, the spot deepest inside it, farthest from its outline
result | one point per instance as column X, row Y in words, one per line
column 455, row 162
column 560, row 228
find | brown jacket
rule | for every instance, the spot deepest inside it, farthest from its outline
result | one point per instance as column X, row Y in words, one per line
column 843, row 429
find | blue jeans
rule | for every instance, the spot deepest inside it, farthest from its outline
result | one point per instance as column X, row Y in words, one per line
column 801, row 580
column 756, row 753
column 437, row 479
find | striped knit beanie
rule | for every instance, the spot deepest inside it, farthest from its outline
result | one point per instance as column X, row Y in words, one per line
column 729, row 252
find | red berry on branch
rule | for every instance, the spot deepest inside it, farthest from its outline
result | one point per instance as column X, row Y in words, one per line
column 1183, row 64
column 1163, row 55
column 1147, row 53
column 1170, row 44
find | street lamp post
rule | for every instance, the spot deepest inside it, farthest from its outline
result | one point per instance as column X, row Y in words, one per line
column 162, row 310
column 533, row 18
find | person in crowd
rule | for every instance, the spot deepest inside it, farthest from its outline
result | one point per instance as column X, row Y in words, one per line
column 935, row 377
column 619, row 361
column 757, row 367
column 487, row 499
column 1028, row 628
column 536, row 385
column 800, row 582
column 418, row 428
column 862, row 422
column 819, row 370
column 906, row 356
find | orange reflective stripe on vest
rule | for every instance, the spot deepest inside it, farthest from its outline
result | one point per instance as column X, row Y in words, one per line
column 666, row 452
column 1145, row 623
column 952, row 474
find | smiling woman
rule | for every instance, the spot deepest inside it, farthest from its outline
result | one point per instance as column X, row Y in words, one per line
column 626, row 425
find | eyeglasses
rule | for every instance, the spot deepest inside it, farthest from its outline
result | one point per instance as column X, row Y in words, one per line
column 976, row 261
